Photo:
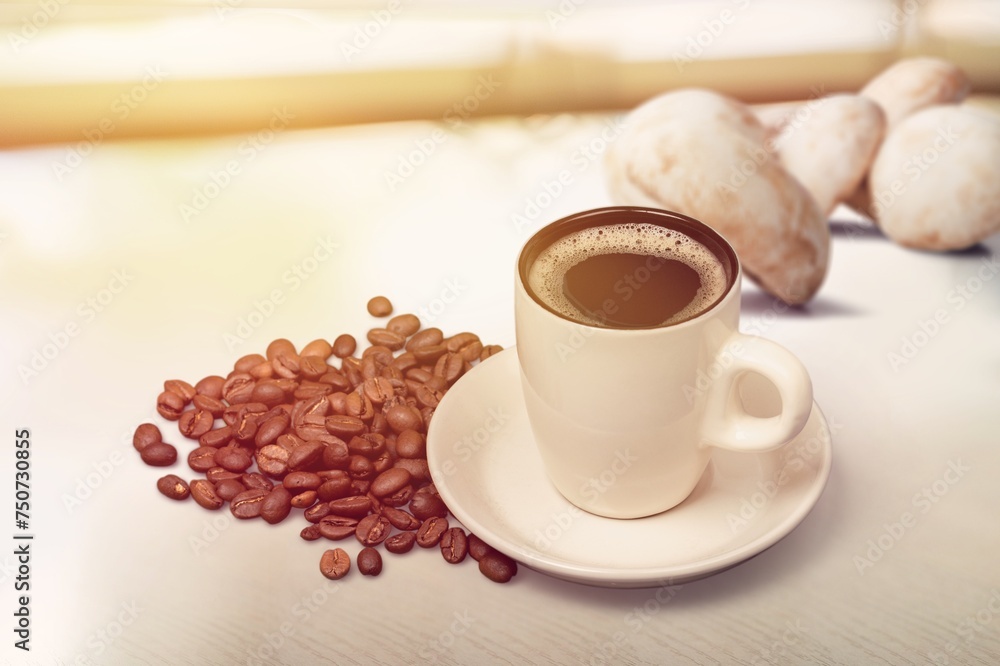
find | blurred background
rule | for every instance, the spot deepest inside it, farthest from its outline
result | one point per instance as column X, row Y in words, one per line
column 224, row 64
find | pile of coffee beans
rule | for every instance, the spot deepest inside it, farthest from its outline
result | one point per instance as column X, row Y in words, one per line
column 335, row 435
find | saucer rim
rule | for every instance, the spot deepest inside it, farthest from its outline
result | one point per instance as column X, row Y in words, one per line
column 603, row 576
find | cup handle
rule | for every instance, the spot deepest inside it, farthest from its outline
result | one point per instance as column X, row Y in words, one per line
column 727, row 424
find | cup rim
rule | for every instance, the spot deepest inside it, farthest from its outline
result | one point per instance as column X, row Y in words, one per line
column 703, row 233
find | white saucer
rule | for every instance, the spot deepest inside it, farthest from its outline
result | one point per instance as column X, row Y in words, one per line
column 485, row 465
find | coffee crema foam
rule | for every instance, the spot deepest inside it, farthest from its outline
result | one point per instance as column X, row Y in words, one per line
column 546, row 274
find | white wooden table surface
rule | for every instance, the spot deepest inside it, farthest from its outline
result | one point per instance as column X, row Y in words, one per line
column 117, row 286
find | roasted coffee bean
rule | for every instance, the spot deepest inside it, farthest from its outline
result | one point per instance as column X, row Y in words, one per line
column 217, row 474
column 450, row 367
column 233, row 458
column 269, row 431
column 203, row 492
column 335, row 563
column 344, row 426
column 489, row 350
column 245, row 363
column 209, row 404
column 378, row 390
column 318, row 348
column 316, row 512
column 312, row 367
column 272, row 460
column 498, row 567
column 404, row 324
column 202, row 459
column 169, row 405
column 399, row 498
column 344, row 345
column 256, row 480
column 309, row 432
column 227, row 489
column 427, row 397
column 390, row 481
column 367, row 446
column 379, row 306
column 217, row 437
column 360, row 467
column 311, row 389
column 478, row 548
column 238, row 388
column 401, row 542
column 267, row 392
column 471, row 352
column 429, row 354
column 299, row 481
column 336, row 528
column 425, row 505
column 276, row 505
column 372, row 530
column 305, row 499
column 280, row 347
column 245, row 429
column 419, row 375
column 306, row 455
column 262, row 371
column 354, row 506
column 405, row 362
column 382, row 463
column 460, row 340
column 210, row 387
column 430, row 531
column 454, row 545
column 411, row 444
column 247, row 504
column 181, row 388
column 332, row 489
column 336, row 455
column 310, row 532
column 417, row 467
column 369, row 562
column 383, row 337
column 403, row 417
column 159, row 454
column 400, row 519
column 194, row 423
column 358, row 405
column 173, row 487
column 146, row 434
column 424, row 338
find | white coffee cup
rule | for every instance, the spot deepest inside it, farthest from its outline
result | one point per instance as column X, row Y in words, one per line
column 625, row 418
